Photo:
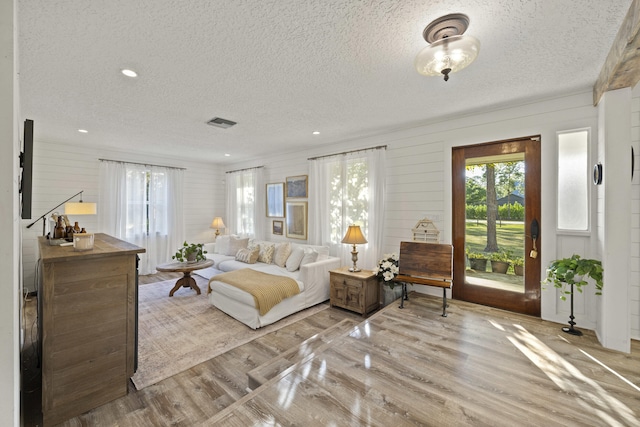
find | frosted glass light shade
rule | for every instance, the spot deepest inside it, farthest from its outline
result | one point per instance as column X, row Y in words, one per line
column 80, row 208
column 454, row 53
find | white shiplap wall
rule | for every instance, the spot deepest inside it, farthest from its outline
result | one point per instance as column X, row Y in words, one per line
column 60, row 171
column 419, row 170
column 418, row 180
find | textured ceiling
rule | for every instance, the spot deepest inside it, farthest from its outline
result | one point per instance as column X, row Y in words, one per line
column 285, row 68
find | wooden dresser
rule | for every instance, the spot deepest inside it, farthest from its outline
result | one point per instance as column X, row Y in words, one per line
column 359, row 291
column 87, row 323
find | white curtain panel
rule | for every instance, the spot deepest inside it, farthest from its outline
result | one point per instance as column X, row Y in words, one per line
column 319, row 201
column 143, row 205
column 245, row 202
column 260, row 211
column 332, row 208
column 112, row 199
column 377, row 162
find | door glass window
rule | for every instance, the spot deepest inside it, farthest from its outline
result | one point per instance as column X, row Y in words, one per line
column 494, row 226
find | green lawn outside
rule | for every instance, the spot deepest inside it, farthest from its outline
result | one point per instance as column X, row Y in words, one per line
column 510, row 236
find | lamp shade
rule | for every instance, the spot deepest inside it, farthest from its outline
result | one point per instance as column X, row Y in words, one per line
column 217, row 223
column 354, row 236
column 447, row 55
column 80, row 208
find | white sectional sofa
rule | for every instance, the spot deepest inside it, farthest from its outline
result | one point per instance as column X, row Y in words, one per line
column 308, row 265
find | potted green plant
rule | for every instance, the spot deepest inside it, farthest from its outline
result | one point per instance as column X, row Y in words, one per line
column 477, row 261
column 500, row 261
column 518, row 266
column 190, row 252
column 572, row 272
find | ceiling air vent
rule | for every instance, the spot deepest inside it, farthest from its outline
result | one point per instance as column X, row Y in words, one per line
column 221, row 123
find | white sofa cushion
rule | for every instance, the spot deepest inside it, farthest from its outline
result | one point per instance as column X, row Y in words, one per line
column 218, row 258
column 323, row 252
column 310, row 255
column 293, row 262
column 235, row 244
column 222, row 244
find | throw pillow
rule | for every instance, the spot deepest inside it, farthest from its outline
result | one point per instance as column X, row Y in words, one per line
column 266, row 253
column 250, row 256
column 235, row 244
column 222, row 244
column 293, row 262
column 309, row 256
column 283, row 250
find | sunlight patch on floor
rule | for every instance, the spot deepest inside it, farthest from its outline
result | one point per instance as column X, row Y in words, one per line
column 610, row 370
column 587, row 392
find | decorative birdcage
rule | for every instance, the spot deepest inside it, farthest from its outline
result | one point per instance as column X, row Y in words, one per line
column 426, row 231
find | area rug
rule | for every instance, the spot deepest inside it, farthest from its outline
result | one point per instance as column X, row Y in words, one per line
column 176, row 333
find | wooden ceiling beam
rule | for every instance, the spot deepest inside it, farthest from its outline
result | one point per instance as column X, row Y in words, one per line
column 622, row 66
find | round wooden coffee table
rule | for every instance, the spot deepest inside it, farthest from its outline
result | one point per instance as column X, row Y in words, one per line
column 186, row 268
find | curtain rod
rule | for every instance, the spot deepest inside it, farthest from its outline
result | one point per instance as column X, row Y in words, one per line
column 143, row 164
column 379, row 147
column 245, row 169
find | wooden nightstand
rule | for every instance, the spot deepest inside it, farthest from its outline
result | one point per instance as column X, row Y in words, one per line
column 359, row 292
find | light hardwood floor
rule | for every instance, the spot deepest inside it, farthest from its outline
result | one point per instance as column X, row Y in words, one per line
column 479, row 366
column 186, row 398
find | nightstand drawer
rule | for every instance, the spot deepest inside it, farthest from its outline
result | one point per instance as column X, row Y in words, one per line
column 345, row 281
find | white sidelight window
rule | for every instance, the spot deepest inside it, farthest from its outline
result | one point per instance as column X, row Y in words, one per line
column 573, row 181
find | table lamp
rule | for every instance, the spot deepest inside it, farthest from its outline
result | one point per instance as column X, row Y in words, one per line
column 354, row 237
column 80, row 208
column 74, row 208
column 217, row 224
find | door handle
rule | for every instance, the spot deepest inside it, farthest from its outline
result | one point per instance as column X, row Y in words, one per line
column 535, row 232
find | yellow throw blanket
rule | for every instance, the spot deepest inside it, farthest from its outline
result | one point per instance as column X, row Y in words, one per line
column 267, row 289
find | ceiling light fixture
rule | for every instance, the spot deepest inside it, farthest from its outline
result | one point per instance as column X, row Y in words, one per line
column 316, row 132
column 129, row 73
column 449, row 50
column 83, row 131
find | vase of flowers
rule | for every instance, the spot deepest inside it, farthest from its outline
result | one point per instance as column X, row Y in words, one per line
column 386, row 271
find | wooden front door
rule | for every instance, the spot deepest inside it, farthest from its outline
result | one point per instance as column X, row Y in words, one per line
column 496, row 216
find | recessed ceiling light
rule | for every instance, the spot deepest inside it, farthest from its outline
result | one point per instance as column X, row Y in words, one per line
column 316, row 132
column 129, row 73
column 227, row 155
column 83, row 131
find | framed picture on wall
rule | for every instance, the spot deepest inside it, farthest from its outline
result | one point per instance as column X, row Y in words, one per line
column 277, row 227
column 275, row 200
column 297, row 220
column 297, row 187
